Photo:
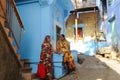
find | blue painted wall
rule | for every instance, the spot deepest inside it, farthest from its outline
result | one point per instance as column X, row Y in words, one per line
column 39, row 21
column 30, row 42
column 31, row 37
column 113, row 11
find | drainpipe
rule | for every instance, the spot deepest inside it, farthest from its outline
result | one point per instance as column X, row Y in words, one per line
column 76, row 22
column 95, row 20
column 95, row 29
column 76, row 27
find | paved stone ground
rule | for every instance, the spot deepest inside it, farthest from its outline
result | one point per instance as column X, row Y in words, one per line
column 95, row 68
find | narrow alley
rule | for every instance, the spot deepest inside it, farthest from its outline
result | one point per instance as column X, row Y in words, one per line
column 45, row 31
column 95, row 68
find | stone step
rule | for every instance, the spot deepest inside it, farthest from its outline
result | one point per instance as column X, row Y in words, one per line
column 34, row 77
column 27, row 76
column 25, row 62
column 14, row 48
column 26, row 70
column 22, row 63
column 10, row 40
column 6, row 30
column 2, row 22
column 18, row 55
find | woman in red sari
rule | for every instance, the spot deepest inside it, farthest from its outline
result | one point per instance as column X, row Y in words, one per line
column 46, row 57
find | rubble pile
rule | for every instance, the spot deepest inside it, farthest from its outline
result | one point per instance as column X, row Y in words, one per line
column 105, row 52
column 109, row 52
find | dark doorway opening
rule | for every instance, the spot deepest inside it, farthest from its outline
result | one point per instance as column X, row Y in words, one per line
column 79, row 33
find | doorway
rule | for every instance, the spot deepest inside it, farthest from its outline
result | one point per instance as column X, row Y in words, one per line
column 58, row 32
column 79, row 33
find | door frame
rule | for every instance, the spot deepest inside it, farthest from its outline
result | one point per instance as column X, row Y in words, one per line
column 56, row 23
column 80, row 25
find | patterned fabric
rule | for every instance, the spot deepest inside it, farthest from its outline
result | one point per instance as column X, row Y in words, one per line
column 46, row 59
column 64, row 47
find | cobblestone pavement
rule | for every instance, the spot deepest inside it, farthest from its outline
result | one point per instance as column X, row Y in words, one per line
column 94, row 68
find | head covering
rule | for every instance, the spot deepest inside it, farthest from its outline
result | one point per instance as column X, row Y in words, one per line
column 46, row 38
column 63, row 36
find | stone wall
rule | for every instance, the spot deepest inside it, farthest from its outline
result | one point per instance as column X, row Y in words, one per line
column 69, row 24
column 89, row 19
column 90, row 22
column 9, row 66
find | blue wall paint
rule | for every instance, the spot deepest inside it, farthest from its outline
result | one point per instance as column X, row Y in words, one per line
column 58, row 14
column 38, row 21
column 31, row 19
column 31, row 38
column 113, row 11
column 45, row 21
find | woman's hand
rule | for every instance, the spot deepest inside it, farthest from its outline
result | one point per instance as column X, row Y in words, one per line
column 59, row 52
column 54, row 51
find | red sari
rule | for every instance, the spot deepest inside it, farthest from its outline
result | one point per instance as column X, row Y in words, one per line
column 46, row 59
